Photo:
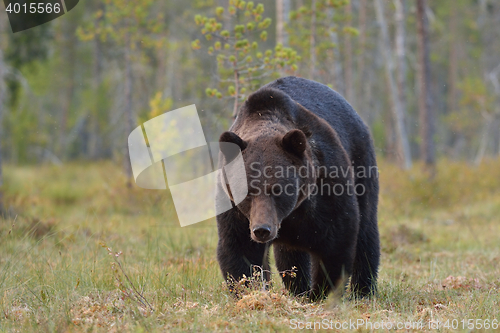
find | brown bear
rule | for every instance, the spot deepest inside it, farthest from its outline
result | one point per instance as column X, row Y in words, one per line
column 312, row 191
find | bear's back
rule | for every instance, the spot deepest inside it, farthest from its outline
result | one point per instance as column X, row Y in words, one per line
column 327, row 104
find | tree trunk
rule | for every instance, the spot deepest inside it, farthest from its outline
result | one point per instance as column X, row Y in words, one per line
column 493, row 77
column 367, row 87
column 237, row 92
column 402, row 144
column 129, row 111
column 497, row 130
column 312, row 42
column 337, row 77
column 348, row 58
column 227, row 21
column 94, row 141
column 453, row 56
column 170, row 73
column 391, row 146
column 401, row 72
column 484, row 138
column 282, row 17
column 2, row 97
column 362, row 38
column 69, row 52
column 401, row 51
column 361, row 84
column 483, row 4
column 426, row 117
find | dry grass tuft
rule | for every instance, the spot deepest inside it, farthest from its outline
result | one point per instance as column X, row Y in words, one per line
column 461, row 282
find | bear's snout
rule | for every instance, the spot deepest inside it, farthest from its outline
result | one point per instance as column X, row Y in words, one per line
column 264, row 221
column 262, row 234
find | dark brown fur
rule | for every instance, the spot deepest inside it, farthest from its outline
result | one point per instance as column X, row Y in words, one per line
column 296, row 123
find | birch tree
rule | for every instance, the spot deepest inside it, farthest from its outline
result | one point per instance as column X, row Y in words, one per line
column 401, row 52
column 426, row 114
column 402, row 144
column 282, row 18
column 312, row 41
column 349, row 89
column 2, row 99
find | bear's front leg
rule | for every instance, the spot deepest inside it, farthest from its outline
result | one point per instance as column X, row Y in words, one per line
column 328, row 274
column 287, row 258
column 332, row 262
column 238, row 255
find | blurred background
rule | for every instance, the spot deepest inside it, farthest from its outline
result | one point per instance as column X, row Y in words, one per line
column 67, row 86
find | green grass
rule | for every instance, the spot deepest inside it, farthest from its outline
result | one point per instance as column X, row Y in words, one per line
column 440, row 256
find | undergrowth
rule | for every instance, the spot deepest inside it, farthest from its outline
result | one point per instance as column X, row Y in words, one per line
column 81, row 252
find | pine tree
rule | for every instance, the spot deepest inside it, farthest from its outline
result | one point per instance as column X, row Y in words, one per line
column 242, row 64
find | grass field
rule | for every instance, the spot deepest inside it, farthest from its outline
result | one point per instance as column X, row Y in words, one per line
column 81, row 252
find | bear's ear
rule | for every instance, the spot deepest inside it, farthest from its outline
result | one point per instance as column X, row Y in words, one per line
column 226, row 150
column 295, row 142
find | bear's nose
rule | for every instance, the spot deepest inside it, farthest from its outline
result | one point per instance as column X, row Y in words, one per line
column 262, row 233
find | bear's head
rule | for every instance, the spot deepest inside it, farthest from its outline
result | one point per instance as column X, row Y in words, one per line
column 279, row 166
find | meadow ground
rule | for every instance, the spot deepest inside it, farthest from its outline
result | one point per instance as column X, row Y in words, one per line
column 81, row 252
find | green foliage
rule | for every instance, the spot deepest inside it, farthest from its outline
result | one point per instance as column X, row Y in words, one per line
column 25, row 141
column 25, row 49
column 128, row 23
column 241, row 62
column 476, row 103
column 158, row 105
column 328, row 14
